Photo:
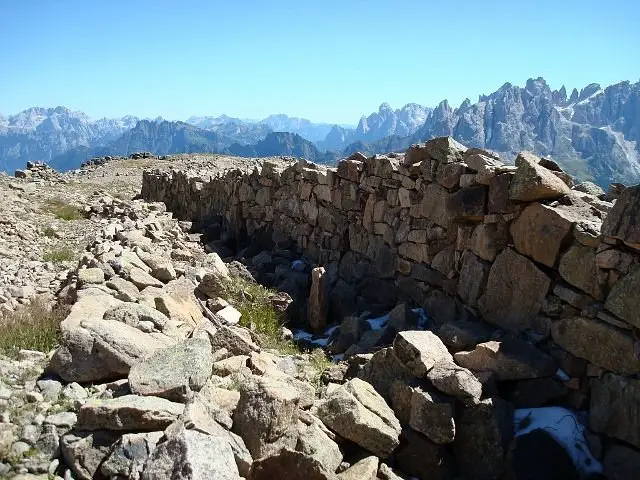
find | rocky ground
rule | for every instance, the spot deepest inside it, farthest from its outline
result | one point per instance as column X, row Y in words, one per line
column 171, row 362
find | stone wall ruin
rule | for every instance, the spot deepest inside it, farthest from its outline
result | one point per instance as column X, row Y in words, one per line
column 466, row 237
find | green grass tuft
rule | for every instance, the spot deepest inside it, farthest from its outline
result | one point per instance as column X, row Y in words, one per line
column 319, row 361
column 253, row 301
column 50, row 232
column 59, row 255
column 62, row 209
column 32, row 327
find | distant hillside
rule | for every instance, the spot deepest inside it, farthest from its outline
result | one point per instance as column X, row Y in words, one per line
column 165, row 137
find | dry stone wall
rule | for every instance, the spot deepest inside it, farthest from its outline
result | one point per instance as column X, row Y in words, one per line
column 465, row 236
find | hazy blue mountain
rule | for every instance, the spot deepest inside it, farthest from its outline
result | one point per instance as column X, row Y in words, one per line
column 283, row 143
column 593, row 133
column 43, row 133
column 273, row 123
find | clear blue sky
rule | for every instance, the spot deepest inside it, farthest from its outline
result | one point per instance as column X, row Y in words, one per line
column 330, row 60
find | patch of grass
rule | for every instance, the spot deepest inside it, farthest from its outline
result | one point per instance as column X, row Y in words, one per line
column 320, row 363
column 49, row 232
column 33, row 327
column 253, row 301
column 59, row 255
column 62, row 209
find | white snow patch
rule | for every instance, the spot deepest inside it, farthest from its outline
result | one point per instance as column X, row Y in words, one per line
column 379, row 322
column 330, row 330
column 561, row 375
column 564, row 427
column 321, row 342
column 302, row 335
column 423, row 318
column 338, row 358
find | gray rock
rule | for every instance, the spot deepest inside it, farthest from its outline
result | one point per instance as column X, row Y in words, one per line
column 356, row 412
column 84, row 452
column 266, row 416
column 313, row 442
column 126, row 291
column 382, row 370
column 50, row 389
column 289, row 464
column 419, row 351
column 533, row 182
column 236, row 340
column 511, row 359
column 420, row 457
column 621, row 463
column 161, row 267
column 62, row 419
column 142, row 279
column 614, row 406
column 432, row 416
column 191, row 455
column 365, row 469
column 90, row 276
column 128, row 413
column 453, row 380
column 174, row 372
column 483, row 432
column 129, row 455
column 198, row 415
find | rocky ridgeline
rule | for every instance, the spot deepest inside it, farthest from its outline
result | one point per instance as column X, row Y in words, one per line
column 92, row 162
column 529, row 282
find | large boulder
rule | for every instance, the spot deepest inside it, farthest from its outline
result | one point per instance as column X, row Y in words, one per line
column 621, row 463
column 511, row 359
column 315, row 443
column 578, row 268
column 600, row 343
column 201, row 415
column 291, row 465
column 94, row 349
column 85, row 452
column 128, row 413
column 266, row 416
column 365, row 469
column 318, row 299
column 537, row 455
column 420, row 457
column 514, row 292
column 382, row 370
column 191, row 455
column 623, row 300
column 615, row 403
column 419, row 350
column 623, row 221
column 432, row 416
column 129, row 455
column 541, row 232
column 214, row 283
column 454, row 380
column 174, row 372
column 356, row 412
column 534, row 182
column 484, row 430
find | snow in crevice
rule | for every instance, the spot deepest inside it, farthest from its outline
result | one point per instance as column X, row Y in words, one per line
column 565, row 427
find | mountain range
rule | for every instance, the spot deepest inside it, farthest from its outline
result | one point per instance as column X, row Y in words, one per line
column 593, row 133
